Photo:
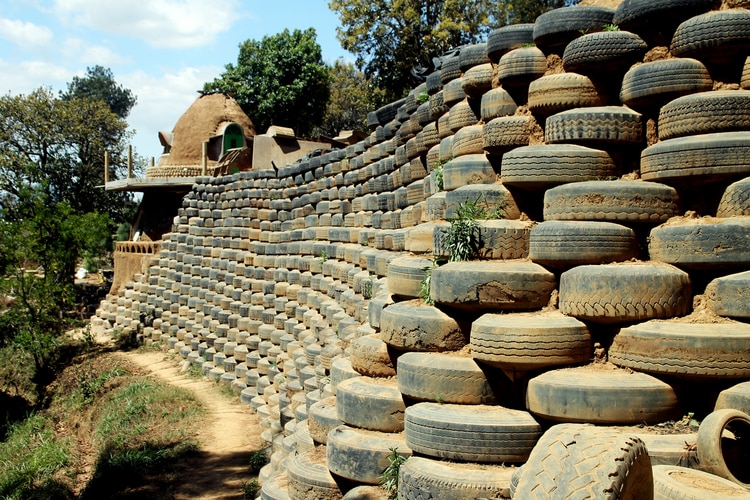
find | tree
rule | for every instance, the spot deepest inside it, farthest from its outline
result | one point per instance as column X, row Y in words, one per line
column 393, row 38
column 353, row 95
column 99, row 84
column 58, row 146
column 280, row 80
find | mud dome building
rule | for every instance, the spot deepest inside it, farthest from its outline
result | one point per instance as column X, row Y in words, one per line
column 596, row 342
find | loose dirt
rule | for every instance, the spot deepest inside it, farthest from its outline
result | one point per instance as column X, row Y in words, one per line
column 231, row 434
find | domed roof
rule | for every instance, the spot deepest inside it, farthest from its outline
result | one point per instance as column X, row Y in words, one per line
column 206, row 117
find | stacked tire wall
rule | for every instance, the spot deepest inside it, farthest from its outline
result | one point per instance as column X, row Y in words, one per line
column 612, row 288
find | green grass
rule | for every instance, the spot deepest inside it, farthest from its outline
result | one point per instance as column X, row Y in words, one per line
column 30, row 460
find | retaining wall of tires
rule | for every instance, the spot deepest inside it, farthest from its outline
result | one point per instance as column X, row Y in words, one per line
column 613, row 291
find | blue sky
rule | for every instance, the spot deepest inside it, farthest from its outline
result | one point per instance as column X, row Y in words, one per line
column 163, row 50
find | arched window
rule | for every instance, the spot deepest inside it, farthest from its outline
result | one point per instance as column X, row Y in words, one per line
column 233, row 137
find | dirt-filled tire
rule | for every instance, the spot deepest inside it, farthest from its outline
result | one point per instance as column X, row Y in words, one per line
column 554, row 93
column 461, row 115
column 672, row 482
column 736, row 397
column 735, row 202
column 415, row 326
column 370, row 403
column 554, row 29
column 321, row 418
column 730, row 295
column 490, row 285
column 496, row 103
column 530, row 341
column 468, row 169
column 369, row 356
column 420, row 478
column 544, row 166
column 473, row 55
column 600, row 395
column 653, row 84
column 597, row 54
column 604, row 126
column 405, row 275
column 504, row 39
column 703, row 243
column 309, row 478
column 704, row 113
column 619, row 293
column 723, row 447
column 745, row 78
column 714, row 37
column 623, row 202
column 706, row 157
column 453, row 92
column 450, row 69
column 521, row 66
column 475, row 433
column 444, row 378
column 504, row 133
column 467, row 141
column 583, row 461
column 685, row 350
column 566, row 244
column 477, row 80
column 648, row 17
column 361, row 455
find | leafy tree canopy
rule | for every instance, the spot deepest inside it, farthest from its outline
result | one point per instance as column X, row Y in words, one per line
column 280, row 80
column 392, row 38
column 99, row 84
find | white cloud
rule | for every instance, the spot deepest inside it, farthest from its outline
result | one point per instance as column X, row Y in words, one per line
column 22, row 78
column 161, row 101
column 92, row 55
column 160, row 23
column 25, row 34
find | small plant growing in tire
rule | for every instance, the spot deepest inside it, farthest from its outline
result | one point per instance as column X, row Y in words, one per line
column 258, row 459
column 389, row 476
column 462, row 238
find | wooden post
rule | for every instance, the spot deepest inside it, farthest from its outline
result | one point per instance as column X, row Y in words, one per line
column 130, row 161
column 106, row 167
column 152, row 162
column 204, row 159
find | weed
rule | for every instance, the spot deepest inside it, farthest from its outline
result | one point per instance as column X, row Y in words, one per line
column 462, row 238
column 583, row 31
column 89, row 385
column 389, row 476
column 424, row 286
column 423, row 97
column 250, row 489
column 258, row 459
column 439, row 398
column 528, row 45
column 323, row 256
column 439, row 178
column 610, row 27
column 367, row 288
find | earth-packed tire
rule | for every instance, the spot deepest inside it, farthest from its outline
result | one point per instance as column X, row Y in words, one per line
column 735, row 202
column 548, row 165
column 453, row 92
column 653, row 84
column 554, row 29
column 504, row 133
column 672, row 482
column 361, row 455
column 369, row 356
column 723, row 447
column 477, row 80
column 415, row 326
column 703, row 243
column 473, row 55
column 530, row 341
column 685, row 350
column 714, row 37
column 433, row 83
column 554, row 93
column 618, row 293
column 341, row 369
column 475, row 433
column 583, row 461
column 745, row 78
column 420, row 478
column 736, row 397
column 309, row 478
column 600, row 395
column 704, row 113
column 504, row 39
column 649, row 16
column 496, row 103
column 405, row 275
column 321, row 418
column 370, row 403
column 468, row 169
column 450, row 69
column 274, row 488
column 623, row 202
column 494, row 198
column 706, row 157
column 566, row 244
column 730, row 295
column 603, row 126
column 670, row 449
column 490, row 285
column 521, row 66
column 461, row 115
column 603, row 53
column 467, row 141
column 443, row 378
column 503, row 239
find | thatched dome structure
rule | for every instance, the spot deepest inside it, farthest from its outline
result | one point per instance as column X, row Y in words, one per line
column 206, row 117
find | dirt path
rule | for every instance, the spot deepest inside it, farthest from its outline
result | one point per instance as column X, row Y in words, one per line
column 231, row 433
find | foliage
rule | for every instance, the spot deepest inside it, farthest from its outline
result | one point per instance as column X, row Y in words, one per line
column 280, row 80
column 610, row 27
column 395, row 41
column 352, row 96
column 323, row 256
column 251, row 489
column 424, row 286
column 57, row 146
column 389, row 476
column 439, row 176
column 99, row 84
column 462, row 238
column 258, row 459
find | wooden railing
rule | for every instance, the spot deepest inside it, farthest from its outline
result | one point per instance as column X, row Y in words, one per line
column 138, row 247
